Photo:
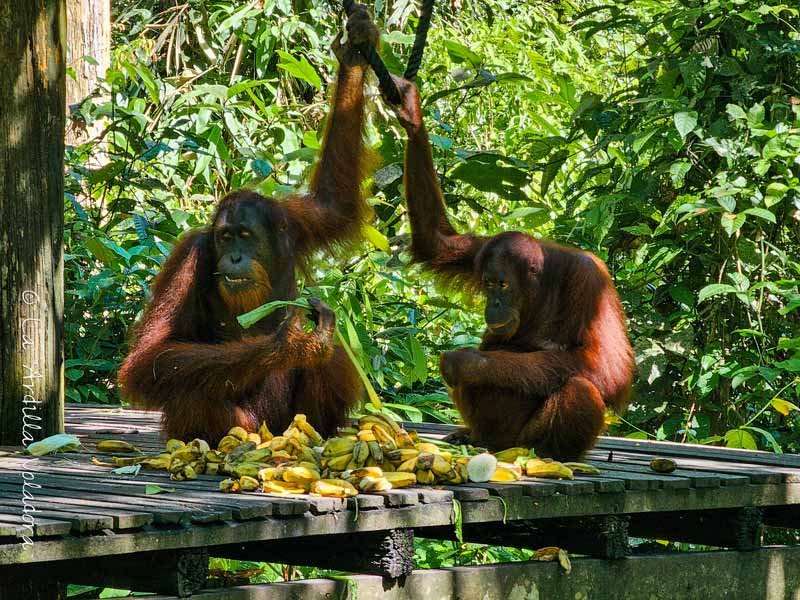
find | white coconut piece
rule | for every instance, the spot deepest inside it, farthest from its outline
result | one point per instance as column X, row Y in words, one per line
column 480, row 468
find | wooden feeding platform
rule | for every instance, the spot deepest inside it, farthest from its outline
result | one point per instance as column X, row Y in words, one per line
column 97, row 528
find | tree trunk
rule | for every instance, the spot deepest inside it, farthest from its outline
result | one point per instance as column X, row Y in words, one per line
column 88, row 34
column 32, row 115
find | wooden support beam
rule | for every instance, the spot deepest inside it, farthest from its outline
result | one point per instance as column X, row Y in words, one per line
column 175, row 572
column 385, row 553
column 738, row 528
column 782, row 516
column 16, row 583
column 768, row 573
column 602, row 537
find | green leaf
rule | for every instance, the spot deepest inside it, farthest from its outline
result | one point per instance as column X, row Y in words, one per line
column 375, row 237
column 301, row 69
column 249, row 319
column 678, row 171
column 127, row 470
column 459, row 53
column 551, row 170
column 154, row 488
column 490, row 172
column 739, row 438
column 685, row 122
column 736, row 111
column 731, row 222
column 761, row 213
column 100, row 251
column 418, row 358
column 60, row 442
column 715, row 289
column 776, row 447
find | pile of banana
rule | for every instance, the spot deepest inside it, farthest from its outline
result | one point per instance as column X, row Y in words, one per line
column 376, row 456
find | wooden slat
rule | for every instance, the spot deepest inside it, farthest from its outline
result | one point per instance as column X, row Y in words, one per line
column 122, row 518
column 41, row 528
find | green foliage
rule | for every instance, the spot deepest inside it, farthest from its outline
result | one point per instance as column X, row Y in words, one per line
column 662, row 136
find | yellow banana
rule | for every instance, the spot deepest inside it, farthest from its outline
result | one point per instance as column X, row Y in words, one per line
column 301, row 422
column 367, row 421
column 400, row 480
column 214, row 456
column 239, row 433
column 338, row 446
column 173, row 445
column 256, row 455
column 339, row 463
column 264, row 433
column 301, row 475
column 249, row 469
column 360, row 453
column 336, row 488
column 116, row 446
column 506, row 472
column 426, row 477
column 547, row 470
column 366, row 435
column 228, row 443
column 248, row 484
column 374, row 484
column 359, row 474
column 279, row 442
column 512, row 454
column 255, row 438
column 428, row 447
column 229, row 485
column 375, row 451
column 402, row 454
column 425, row 461
column 408, row 466
column 282, row 487
column 441, row 467
column 585, row 469
column 403, row 439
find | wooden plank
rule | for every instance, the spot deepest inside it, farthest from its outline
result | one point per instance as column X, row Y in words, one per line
column 430, row 495
column 738, row 528
column 768, row 573
column 700, row 477
column 41, row 527
column 187, row 500
column 365, row 502
column 386, row 553
column 464, row 493
column 81, row 522
column 233, row 532
column 203, row 491
column 164, row 512
column 756, row 473
column 400, row 497
column 120, row 519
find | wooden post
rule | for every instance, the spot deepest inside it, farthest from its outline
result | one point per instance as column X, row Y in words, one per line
column 88, row 34
column 32, row 72
column 386, row 553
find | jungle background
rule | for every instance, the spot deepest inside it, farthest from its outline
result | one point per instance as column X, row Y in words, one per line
column 662, row 135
